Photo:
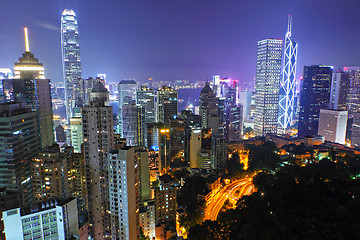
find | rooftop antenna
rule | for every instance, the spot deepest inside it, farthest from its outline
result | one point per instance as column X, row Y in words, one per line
column 289, row 25
column 27, row 49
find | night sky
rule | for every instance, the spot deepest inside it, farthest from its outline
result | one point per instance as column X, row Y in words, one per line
column 180, row 39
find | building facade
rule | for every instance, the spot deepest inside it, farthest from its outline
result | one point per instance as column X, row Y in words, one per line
column 314, row 95
column 50, row 219
column 332, row 125
column 339, row 90
column 287, row 104
column 124, row 193
column 98, row 141
column 19, row 141
column 267, row 85
column 167, row 104
column 127, row 93
column 70, row 48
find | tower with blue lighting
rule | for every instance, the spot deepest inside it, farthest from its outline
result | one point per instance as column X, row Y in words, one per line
column 287, row 98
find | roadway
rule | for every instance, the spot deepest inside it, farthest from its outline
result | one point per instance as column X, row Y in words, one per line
column 233, row 191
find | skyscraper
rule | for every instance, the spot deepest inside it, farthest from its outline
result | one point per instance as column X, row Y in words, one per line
column 145, row 97
column 268, row 69
column 166, row 104
column 208, row 107
column 353, row 98
column 127, row 90
column 165, row 199
column 287, row 104
column 339, row 90
column 70, row 48
column 98, row 141
column 133, row 127
column 30, row 86
column 19, row 141
column 314, row 95
column 124, row 193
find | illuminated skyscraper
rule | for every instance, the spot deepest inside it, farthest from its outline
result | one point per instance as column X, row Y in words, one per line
column 19, row 141
column 314, row 96
column 127, row 90
column 133, row 127
column 30, row 86
column 145, row 97
column 166, row 104
column 287, row 83
column 70, row 46
column 98, row 141
column 339, row 90
column 353, row 97
column 268, row 69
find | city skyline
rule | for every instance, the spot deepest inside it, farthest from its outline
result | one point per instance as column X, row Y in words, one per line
column 184, row 40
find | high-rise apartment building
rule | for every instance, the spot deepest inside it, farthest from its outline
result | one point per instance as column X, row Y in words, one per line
column 49, row 174
column 165, row 199
column 70, row 48
column 124, row 193
column 339, row 90
column 75, row 167
column 58, row 173
column 164, row 149
column 195, row 147
column 167, row 104
column 268, row 69
column 332, row 125
column 50, row 219
column 127, row 93
column 19, row 141
column 76, row 132
column 98, row 141
column 177, row 143
column 314, row 95
column 147, row 218
column 218, row 153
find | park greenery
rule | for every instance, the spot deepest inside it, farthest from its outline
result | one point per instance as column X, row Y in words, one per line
column 318, row 201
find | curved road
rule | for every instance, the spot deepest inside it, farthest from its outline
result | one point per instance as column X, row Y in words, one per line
column 214, row 205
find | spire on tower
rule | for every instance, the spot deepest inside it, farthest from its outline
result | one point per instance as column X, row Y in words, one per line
column 27, row 49
column 289, row 24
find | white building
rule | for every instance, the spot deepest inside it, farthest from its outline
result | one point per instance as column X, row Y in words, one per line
column 147, row 218
column 332, row 125
column 51, row 219
column 124, row 193
column 268, row 68
column 77, row 135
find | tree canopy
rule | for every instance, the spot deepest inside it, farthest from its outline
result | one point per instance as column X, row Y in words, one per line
column 319, row 201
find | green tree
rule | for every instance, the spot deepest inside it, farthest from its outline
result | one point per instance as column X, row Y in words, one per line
column 263, row 157
column 189, row 199
column 319, row 201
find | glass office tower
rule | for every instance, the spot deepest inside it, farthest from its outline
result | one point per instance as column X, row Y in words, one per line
column 287, row 84
column 268, row 69
column 70, row 46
